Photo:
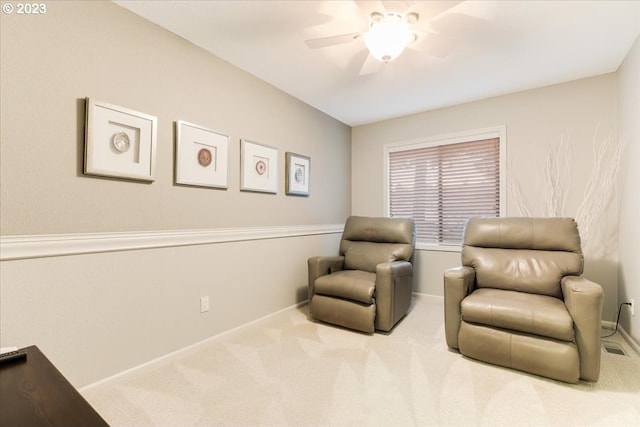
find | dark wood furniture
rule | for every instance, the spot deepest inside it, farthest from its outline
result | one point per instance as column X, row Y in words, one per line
column 34, row 393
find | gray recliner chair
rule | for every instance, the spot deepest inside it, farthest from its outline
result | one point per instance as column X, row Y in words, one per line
column 369, row 285
column 518, row 300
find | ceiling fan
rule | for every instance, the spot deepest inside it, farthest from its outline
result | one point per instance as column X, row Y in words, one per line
column 392, row 26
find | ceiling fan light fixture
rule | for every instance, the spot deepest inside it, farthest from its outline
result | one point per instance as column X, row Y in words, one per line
column 387, row 37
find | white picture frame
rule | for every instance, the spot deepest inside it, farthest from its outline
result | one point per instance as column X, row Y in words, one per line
column 202, row 156
column 258, row 167
column 119, row 142
column 298, row 172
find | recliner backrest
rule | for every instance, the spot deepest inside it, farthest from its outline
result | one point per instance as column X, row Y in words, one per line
column 367, row 242
column 523, row 254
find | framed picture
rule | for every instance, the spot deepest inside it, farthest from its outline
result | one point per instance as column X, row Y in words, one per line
column 201, row 156
column 258, row 167
column 297, row 174
column 119, row 142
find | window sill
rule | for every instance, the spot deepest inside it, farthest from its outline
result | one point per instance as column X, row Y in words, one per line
column 438, row 248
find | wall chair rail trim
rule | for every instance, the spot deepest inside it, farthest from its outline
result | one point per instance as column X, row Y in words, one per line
column 51, row 245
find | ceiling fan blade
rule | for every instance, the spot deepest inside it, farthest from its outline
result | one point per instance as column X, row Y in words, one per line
column 369, row 7
column 330, row 41
column 396, row 5
column 432, row 9
column 371, row 65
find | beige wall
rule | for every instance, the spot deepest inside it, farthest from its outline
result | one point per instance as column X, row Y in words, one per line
column 97, row 314
column 629, row 122
column 579, row 112
column 50, row 63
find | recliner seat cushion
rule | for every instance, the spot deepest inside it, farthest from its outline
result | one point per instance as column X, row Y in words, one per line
column 529, row 313
column 352, row 285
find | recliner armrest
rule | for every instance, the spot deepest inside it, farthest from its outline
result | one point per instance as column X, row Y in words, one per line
column 386, row 275
column 458, row 283
column 394, row 286
column 321, row 265
column 395, row 269
column 583, row 299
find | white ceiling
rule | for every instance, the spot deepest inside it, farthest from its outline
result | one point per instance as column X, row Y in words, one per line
column 468, row 50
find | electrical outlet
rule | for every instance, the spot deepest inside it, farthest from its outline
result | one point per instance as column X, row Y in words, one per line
column 633, row 308
column 204, row 304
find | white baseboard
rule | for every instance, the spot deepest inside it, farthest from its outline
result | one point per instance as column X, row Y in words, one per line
column 198, row 344
column 182, row 351
column 629, row 340
column 608, row 325
column 429, row 296
column 625, row 335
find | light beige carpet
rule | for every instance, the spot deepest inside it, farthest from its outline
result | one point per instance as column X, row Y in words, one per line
column 288, row 371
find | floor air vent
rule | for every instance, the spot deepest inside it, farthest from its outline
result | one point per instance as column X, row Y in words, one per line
column 613, row 348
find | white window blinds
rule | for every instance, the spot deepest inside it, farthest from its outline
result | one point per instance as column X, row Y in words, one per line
column 440, row 187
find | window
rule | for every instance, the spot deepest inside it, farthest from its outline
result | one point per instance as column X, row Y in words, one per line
column 442, row 182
